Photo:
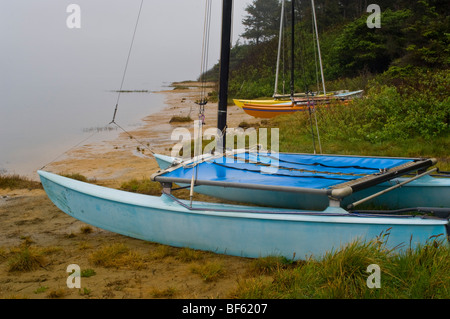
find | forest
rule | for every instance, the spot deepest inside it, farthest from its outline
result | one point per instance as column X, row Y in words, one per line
column 402, row 65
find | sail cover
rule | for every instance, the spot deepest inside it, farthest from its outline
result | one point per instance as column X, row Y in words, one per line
column 321, row 172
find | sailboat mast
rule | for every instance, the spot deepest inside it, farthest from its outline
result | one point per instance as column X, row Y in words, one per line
column 227, row 7
column 318, row 47
column 292, row 49
column 275, row 91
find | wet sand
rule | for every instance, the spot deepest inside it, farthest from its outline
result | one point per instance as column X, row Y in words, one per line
column 29, row 219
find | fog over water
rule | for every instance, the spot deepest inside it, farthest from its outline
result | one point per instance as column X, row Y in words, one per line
column 56, row 81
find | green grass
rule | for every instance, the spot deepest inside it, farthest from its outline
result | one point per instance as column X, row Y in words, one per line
column 14, row 181
column 25, row 259
column 180, row 119
column 399, row 115
column 208, row 271
column 169, row 292
column 117, row 256
column 270, row 264
column 76, row 176
column 79, row 177
column 180, row 87
column 421, row 273
column 87, row 273
column 41, row 289
column 295, row 136
column 143, row 186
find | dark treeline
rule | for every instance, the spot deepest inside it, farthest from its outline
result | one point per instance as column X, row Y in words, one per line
column 403, row 68
column 413, row 34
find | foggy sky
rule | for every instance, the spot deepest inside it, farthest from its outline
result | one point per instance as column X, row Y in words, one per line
column 53, row 79
column 38, row 46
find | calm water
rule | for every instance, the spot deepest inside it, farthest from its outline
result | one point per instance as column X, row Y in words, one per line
column 39, row 127
column 56, row 81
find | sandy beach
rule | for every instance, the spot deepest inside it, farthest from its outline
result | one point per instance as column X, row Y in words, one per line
column 30, row 222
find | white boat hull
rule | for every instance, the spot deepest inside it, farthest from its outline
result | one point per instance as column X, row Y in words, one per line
column 230, row 229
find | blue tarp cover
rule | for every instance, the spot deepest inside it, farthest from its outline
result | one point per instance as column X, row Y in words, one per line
column 294, row 170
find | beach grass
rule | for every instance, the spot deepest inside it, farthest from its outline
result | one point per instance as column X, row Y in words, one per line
column 180, row 119
column 142, row 186
column 180, row 87
column 169, row 292
column 25, row 259
column 87, row 273
column 57, row 293
column 209, row 271
column 420, row 273
column 188, row 255
column 80, row 177
column 118, row 256
column 15, row 181
column 76, row 176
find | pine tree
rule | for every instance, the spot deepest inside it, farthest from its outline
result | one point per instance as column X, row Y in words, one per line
column 262, row 22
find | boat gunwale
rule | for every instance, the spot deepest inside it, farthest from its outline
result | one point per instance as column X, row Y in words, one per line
column 329, row 215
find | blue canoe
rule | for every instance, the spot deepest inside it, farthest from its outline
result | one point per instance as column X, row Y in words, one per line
column 232, row 229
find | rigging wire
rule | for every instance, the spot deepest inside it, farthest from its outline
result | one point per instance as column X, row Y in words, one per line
column 117, row 102
column 275, row 91
column 315, row 57
column 284, row 51
column 126, row 64
column 318, row 46
column 131, row 136
column 79, row 143
column 310, row 95
column 203, row 96
column 310, row 104
column 123, row 80
column 205, row 55
column 314, row 29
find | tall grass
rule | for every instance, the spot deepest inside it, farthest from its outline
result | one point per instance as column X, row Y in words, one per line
column 404, row 112
column 208, row 271
column 295, row 136
column 117, row 256
column 423, row 273
column 143, row 186
column 24, row 259
column 14, row 181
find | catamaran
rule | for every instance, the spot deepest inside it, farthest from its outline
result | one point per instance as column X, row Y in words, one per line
column 266, row 109
column 308, row 181
column 295, row 102
column 311, row 190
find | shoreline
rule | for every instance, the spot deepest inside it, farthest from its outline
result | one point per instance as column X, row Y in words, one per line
column 28, row 219
column 113, row 161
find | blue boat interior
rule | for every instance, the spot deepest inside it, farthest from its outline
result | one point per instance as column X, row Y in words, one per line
column 294, row 170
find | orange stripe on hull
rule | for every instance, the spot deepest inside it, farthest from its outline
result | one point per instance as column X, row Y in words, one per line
column 269, row 112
